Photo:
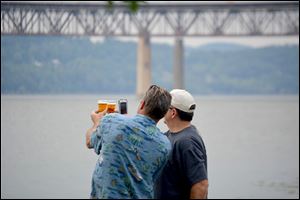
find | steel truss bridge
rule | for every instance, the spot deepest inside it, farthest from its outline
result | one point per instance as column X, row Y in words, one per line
column 151, row 20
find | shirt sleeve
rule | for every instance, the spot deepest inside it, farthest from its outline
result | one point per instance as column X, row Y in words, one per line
column 192, row 161
column 96, row 140
column 106, row 124
column 97, row 135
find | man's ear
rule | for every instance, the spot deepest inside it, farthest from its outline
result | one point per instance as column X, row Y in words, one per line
column 142, row 105
column 174, row 112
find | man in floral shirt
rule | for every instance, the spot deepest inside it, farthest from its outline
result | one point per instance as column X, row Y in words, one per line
column 132, row 150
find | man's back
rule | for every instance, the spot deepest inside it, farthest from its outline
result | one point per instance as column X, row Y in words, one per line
column 187, row 161
column 132, row 154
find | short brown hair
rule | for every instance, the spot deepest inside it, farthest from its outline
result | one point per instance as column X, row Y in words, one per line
column 185, row 116
column 157, row 102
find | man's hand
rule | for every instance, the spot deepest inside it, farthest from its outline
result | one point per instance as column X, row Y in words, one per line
column 96, row 117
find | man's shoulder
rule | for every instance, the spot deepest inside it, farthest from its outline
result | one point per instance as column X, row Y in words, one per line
column 114, row 122
column 114, row 117
column 167, row 133
column 188, row 138
column 165, row 140
column 184, row 143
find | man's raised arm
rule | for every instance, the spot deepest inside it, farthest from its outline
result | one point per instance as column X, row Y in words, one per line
column 95, row 117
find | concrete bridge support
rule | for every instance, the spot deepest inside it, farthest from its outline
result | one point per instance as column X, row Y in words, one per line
column 178, row 60
column 143, row 65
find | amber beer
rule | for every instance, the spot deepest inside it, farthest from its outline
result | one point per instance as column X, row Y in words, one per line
column 111, row 107
column 102, row 104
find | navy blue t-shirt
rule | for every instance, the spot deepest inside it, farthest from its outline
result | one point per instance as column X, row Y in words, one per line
column 186, row 166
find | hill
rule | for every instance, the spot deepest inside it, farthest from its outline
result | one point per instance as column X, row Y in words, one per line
column 76, row 65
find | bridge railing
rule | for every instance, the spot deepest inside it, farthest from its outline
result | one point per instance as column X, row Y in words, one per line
column 192, row 20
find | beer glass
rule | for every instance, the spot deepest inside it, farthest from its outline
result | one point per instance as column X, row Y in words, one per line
column 111, row 106
column 102, row 104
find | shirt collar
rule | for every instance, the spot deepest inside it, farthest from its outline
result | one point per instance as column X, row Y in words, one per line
column 145, row 118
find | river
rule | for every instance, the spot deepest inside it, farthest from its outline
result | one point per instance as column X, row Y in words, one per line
column 252, row 145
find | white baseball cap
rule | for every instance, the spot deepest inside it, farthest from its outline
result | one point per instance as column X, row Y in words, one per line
column 183, row 100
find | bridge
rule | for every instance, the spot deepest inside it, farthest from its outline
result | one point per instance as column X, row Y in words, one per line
column 151, row 20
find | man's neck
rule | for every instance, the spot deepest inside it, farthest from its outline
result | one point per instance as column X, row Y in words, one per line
column 179, row 126
column 143, row 113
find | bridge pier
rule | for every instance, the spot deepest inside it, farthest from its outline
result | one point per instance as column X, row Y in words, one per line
column 143, row 65
column 178, row 72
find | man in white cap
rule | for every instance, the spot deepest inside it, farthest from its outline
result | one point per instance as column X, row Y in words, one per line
column 185, row 174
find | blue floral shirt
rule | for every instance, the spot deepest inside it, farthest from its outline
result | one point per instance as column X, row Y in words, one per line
column 132, row 152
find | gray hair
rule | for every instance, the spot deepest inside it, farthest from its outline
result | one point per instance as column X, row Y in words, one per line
column 157, row 102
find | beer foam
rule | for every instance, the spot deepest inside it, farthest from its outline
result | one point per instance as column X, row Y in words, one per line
column 102, row 102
